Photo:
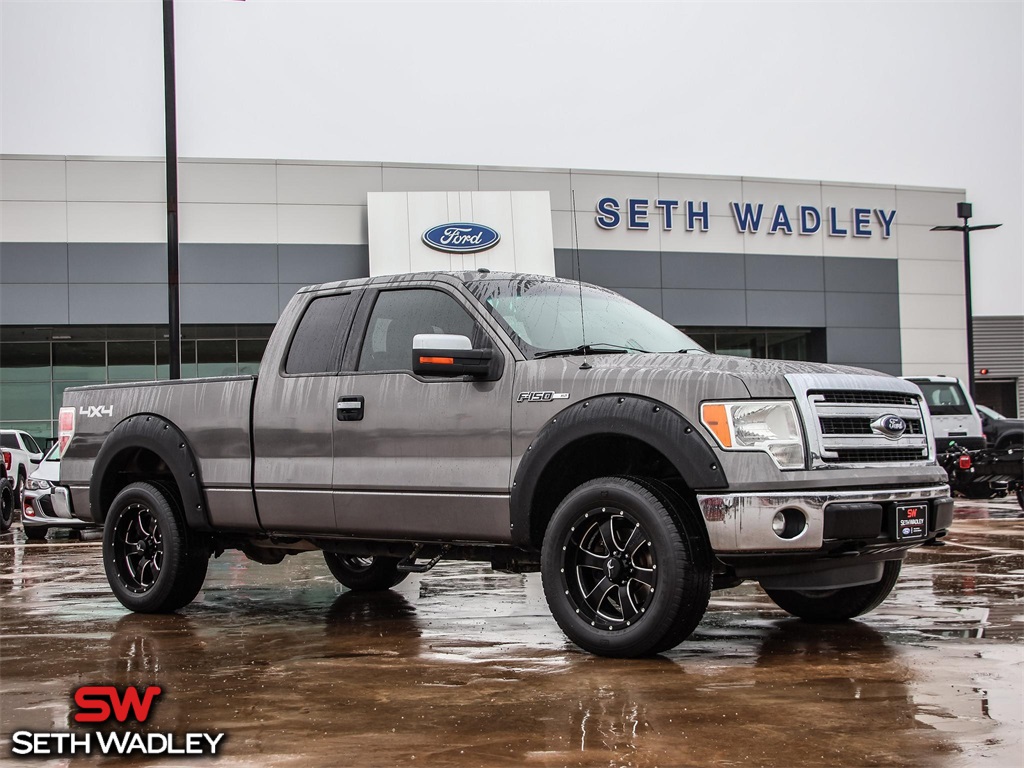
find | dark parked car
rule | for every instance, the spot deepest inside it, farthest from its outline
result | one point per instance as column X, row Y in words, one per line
column 1001, row 431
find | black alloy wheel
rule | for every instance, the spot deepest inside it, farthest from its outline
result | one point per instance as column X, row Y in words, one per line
column 154, row 564
column 365, row 574
column 610, row 567
column 626, row 567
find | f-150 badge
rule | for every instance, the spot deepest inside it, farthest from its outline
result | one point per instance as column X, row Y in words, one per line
column 541, row 397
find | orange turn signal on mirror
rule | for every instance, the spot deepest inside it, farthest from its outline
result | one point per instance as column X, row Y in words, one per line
column 715, row 418
column 437, row 361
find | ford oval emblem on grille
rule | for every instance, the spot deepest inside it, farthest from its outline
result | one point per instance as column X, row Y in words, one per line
column 889, row 425
column 461, row 237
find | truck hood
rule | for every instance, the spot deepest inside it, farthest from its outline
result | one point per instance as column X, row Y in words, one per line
column 760, row 378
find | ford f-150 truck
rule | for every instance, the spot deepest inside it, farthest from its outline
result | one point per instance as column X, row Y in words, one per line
column 527, row 421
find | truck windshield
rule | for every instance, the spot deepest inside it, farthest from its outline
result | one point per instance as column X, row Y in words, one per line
column 544, row 316
column 944, row 398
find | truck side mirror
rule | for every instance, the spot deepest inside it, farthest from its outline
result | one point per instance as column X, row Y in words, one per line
column 447, row 354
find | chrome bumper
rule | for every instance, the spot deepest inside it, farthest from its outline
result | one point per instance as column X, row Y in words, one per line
column 742, row 522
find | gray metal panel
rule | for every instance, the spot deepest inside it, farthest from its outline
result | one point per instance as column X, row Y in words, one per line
column 565, row 263
column 100, row 303
column 228, row 263
column 34, row 262
column 864, row 346
column 785, row 273
column 775, row 309
column 703, row 270
column 613, row 269
column 704, row 307
column 31, row 304
column 862, row 275
column 245, row 303
column 117, row 262
column 862, row 310
column 308, row 264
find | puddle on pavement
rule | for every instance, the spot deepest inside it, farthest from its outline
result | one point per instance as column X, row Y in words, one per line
column 463, row 666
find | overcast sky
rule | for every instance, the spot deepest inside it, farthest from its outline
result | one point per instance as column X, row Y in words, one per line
column 917, row 93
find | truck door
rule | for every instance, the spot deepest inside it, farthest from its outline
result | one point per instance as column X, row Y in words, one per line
column 293, row 428
column 415, row 456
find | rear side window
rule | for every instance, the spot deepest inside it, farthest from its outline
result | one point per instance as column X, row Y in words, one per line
column 399, row 315
column 10, row 441
column 944, row 399
column 30, row 445
column 316, row 345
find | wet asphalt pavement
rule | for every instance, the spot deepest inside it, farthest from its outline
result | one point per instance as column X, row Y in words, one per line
column 465, row 667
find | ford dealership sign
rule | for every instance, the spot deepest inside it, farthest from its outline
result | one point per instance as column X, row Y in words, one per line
column 461, row 237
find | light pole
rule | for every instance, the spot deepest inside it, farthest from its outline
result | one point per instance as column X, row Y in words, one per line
column 171, row 172
column 963, row 211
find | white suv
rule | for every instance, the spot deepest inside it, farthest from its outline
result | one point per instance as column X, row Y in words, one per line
column 22, row 456
column 954, row 417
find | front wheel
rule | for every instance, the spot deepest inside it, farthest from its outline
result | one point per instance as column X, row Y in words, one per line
column 365, row 574
column 1020, row 497
column 837, row 604
column 152, row 562
column 626, row 567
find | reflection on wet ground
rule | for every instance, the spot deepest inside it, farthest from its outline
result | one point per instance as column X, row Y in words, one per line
column 463, row 666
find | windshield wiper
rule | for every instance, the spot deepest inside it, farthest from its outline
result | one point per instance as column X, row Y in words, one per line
column 587, row 349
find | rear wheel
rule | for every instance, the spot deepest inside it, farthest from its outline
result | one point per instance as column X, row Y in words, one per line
column 837, row 604
column 365, row 574
column 1020, row 497
column 626, row 573
column 152, row 562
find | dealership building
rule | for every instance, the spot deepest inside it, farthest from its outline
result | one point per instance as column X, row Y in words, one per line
column 808, row 270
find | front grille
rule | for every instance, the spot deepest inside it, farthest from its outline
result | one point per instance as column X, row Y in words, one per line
column 864, row 398
column 874, row 455
column 857, row 425
column 843, row 434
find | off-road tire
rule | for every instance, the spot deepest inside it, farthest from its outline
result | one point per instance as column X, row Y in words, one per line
column 837, row 604
column 626, row 573
column 153, row 562
column 365, row 574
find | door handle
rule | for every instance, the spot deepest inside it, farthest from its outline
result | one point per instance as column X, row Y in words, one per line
column 350, row 408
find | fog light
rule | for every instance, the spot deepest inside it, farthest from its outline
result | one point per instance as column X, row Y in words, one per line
column 29, row 512
column 789, row 523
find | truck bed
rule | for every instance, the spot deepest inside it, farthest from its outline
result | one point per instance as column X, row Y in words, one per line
column 215, row 414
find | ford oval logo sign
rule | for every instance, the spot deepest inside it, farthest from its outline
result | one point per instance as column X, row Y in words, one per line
column 461, row 237
column 890, row 426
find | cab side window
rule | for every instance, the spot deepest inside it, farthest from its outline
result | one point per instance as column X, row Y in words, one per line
column 316, row 345
column 401, row 314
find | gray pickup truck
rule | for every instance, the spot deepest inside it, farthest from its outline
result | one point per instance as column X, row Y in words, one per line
column 522, row 420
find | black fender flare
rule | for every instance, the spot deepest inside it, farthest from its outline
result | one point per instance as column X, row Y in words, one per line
column 641, row 418
column 161, row 437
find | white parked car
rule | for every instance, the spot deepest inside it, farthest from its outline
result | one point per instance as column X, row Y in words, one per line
column 21, row 456
column 47, row 503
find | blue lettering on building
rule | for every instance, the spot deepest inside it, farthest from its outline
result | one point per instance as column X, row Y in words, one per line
column 780, row 221
column 749, row 219
column 810, row 219
column 747, row 216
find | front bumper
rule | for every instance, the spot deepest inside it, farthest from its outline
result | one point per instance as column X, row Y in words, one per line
column 50, row 508
column 742, row 522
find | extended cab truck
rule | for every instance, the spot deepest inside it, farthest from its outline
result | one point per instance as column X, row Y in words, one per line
column 398, row 420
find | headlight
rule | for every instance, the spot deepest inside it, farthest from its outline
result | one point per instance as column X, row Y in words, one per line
column 770, row 426
column 32, row 484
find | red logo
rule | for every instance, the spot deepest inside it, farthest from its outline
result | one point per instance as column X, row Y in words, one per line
column 911, row 513
column 99, row 702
